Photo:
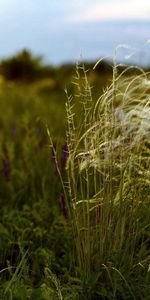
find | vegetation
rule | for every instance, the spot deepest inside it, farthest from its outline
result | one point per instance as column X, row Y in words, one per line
column 24, row 67
column 75, row 184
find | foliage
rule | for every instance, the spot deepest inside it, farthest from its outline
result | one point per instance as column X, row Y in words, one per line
column 22, row 66
column 75, row 210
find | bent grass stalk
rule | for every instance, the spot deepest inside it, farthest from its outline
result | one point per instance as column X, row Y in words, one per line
column 17, row 274
column 108, row 173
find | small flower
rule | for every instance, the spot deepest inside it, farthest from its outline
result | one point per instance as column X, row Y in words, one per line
column 64, row 155
column 14, row 131
column 6, row 168
column 63, row 205
column 38, row 131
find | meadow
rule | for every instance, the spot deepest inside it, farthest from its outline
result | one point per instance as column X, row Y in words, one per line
column 75, row 185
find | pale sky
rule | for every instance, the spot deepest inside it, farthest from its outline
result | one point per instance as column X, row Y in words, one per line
column 79, row 10
column 115, row 9
column 62, row 29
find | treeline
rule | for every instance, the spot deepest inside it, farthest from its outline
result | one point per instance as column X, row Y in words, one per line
column 26, row 67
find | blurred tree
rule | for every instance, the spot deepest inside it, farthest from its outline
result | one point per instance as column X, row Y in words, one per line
column 22, row 66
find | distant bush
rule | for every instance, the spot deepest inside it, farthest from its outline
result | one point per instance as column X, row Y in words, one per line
column 24, row 67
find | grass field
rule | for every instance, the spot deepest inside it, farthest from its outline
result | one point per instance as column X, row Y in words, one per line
column 75, row 187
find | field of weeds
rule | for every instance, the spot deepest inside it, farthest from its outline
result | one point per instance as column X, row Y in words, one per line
column 75, row 187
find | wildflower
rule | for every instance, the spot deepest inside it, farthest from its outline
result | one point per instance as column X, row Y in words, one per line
column 64, row 155
column 14, row 131
column 38, row 131
column 63, row 205
column 6, row 168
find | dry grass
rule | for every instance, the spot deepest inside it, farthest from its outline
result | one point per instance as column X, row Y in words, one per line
column 109, row 177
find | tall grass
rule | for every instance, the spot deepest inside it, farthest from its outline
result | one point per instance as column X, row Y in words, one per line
column 109, row 184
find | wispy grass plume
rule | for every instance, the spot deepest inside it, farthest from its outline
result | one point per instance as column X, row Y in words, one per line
column 109, row 178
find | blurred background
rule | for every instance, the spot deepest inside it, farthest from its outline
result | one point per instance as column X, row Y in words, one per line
column 63, row 31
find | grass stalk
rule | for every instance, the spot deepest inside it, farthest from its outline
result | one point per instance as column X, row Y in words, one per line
column 108, row 159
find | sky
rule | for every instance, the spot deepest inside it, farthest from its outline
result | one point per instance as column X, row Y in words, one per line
column 63, row 30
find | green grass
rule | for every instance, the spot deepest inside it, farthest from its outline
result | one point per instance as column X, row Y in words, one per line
column 80, row 231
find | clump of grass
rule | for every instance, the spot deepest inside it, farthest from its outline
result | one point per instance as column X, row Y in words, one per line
column 109, row 183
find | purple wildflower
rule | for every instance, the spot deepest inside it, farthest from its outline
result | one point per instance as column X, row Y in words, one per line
column 6, row 168
column 63, row 205
column 64, row 156
column 14, row 131
column 38, row 131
